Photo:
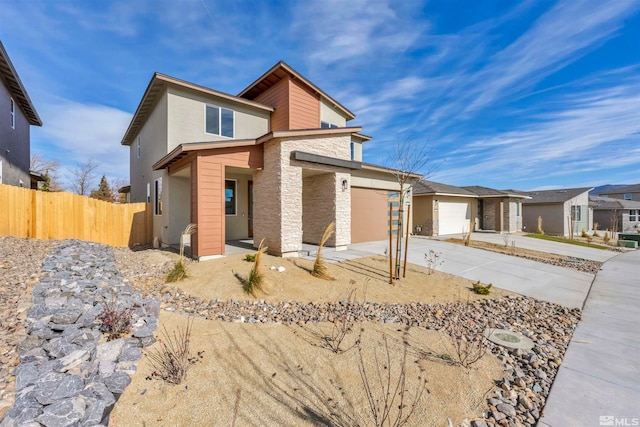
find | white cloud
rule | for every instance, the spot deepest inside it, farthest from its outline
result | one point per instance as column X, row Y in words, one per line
column 74, row 132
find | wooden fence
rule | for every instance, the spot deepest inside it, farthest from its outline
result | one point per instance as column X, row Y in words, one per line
column 42, row 215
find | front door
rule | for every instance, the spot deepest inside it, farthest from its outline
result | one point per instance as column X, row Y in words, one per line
column 250, row 216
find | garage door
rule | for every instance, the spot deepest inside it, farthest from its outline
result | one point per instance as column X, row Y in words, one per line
column 369, row 215
column 454, row 217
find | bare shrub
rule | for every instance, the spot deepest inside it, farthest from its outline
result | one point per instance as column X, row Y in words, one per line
column 179, row 270
column 171, row 359
column 432, row 259
column 115, row 320
column 391, row 402
column 505, row 238
column 468, row 347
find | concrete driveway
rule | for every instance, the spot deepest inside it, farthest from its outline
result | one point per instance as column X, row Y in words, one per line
column 522, row 241
column 546, row 282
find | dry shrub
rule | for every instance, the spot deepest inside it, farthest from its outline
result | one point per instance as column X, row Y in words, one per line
column 468, row 347
column 255, row 281
column 179, row 270
column 388, row 393
column 319, row 266
column 115, row 320
column 171, row 359
column 481, row 289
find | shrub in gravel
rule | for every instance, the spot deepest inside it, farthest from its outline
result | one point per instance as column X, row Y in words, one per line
column 115, row 320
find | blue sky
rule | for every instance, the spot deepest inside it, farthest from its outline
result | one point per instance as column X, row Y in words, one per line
column 526, row 95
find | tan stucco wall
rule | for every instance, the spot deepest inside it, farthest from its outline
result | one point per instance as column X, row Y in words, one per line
column 331, row 115
column 278, row 191
column 177, row 200
column 357, row 151
column 423, row 215
column 237, row 226
column 186, row 121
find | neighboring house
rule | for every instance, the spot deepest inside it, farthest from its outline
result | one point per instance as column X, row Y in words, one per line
column 616, row 214
column 17, row 114
column 277, row 162
column 631, row 192
column 558, row 209
column 440, row 209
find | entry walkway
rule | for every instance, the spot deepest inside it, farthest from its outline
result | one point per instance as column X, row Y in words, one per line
column 600, row 374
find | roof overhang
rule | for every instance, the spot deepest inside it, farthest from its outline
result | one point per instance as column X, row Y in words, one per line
column 16, row 88
column 280, row 71
column 185, row 149
column 442, row 194
column 325, row 160
column 379, row 168
column 157, row 84
column 353, row 130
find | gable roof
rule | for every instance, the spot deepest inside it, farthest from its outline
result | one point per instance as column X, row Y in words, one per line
column 280, row 71
column 560, row 195
column 635, row 188
column 606, row 203
column 16, row 89
column 422, row 188
column 154, row 89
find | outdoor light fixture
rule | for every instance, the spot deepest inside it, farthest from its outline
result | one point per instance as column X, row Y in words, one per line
column 345, row 185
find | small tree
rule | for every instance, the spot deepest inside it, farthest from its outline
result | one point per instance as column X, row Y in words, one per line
column 410, row 163
column 46, row 167
column 46, row 184
column 103, row 192
column 82, row 177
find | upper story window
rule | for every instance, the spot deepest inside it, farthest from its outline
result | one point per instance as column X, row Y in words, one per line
column 13, row 114
column 627, row 196
column 138, row 146
column 219, row 121
column 327, row 125
column 353, row 150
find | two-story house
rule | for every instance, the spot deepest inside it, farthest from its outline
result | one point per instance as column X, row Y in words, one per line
column 277, row 162
column 17, row 114
column 630, row 192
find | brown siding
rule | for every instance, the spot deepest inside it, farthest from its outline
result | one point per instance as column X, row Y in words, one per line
column 369, row 215
column 304, row 108
column 277, row 96
column 210, row 206
column 194, row 206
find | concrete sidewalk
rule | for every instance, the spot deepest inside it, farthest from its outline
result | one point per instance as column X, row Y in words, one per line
column 600, row 375
column 546, row 282
column 522, row 241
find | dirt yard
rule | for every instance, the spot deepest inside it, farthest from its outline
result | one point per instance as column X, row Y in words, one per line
column 275, row 374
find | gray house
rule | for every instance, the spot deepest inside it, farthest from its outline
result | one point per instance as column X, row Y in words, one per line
column 17, row 114
column 630, row 192
column 616, row 214
column 558, row 208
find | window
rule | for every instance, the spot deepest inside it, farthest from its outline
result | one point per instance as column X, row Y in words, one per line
column 327, row 125
column 230, row 197
column 576, row 213
column 158, row 196
column 627, row 196
column 634, row 215
column 517, row 208
column 219, row 121
column 13, row 114
column 138, row 146
column 148, row 193
column 353, row 151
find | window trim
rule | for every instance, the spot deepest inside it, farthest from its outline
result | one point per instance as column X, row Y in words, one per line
column 235, row 197
column 206, row 105
column 13, row 113
column 157, row 197
column 574, row 217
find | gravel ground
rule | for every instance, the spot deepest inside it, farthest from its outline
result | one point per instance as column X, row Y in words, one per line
column 20, row 269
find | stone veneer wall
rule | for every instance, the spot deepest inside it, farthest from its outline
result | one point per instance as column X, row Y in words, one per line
column 278, row 193
column 489, row 214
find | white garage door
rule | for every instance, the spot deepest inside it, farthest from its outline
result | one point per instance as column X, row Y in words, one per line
column 454, row 217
